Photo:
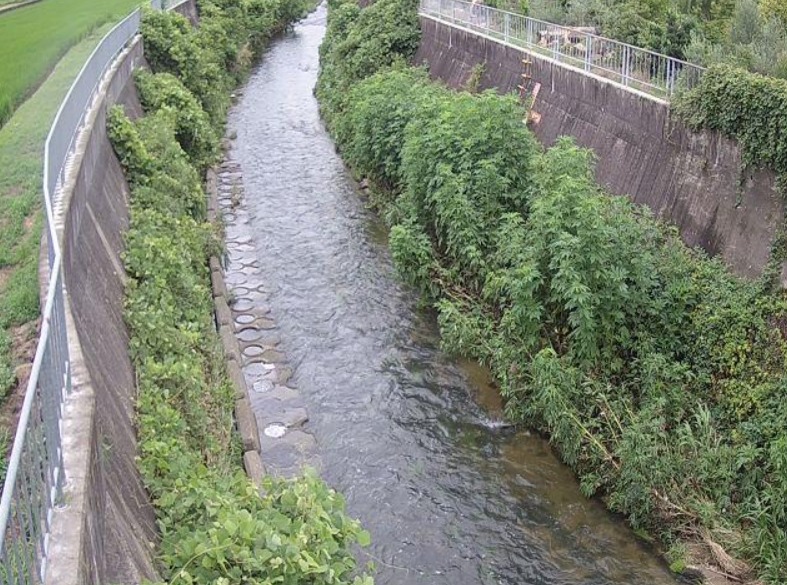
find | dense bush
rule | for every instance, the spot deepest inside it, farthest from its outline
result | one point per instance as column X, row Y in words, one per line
column 360, row 42
column 192, row 125
column 753, row 39
column 211, row 59
column 659, row 377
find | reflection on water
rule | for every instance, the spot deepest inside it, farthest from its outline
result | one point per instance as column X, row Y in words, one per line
column 409, row 435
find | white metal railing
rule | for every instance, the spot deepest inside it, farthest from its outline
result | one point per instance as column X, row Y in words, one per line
column 630, row 66
column 34, row 478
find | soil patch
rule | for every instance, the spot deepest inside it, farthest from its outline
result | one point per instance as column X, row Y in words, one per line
column 24, row 342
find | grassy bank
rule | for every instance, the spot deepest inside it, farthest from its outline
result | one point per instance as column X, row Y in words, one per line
column 21, row 164
column 215, row 525
column 33, row 38
column 658, row 376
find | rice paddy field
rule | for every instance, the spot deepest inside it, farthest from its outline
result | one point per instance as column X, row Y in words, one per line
column 34, row 38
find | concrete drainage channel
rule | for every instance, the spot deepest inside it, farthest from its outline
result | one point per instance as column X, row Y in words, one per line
column 269, row 412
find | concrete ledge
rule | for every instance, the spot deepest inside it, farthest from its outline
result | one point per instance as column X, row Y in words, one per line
column 245, row 419
column 212, row 190
column 217, row 283
column 229, row 343
column 252, row 462
column 104, row 530
column 247, row 425
column 223, row 314
column 67, row 553
column 237, row 379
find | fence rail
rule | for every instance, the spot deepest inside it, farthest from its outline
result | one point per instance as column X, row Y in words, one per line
column 630, row 66
column 35, row 476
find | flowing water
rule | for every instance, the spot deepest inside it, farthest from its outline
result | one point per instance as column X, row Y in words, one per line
column 411, row 436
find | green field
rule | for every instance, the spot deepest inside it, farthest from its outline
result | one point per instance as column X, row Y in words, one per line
column 21, row 162
column 33, row 38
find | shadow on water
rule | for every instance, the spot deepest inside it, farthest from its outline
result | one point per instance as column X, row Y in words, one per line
column 409, row 435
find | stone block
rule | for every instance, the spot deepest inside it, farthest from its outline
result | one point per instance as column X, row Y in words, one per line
column 229, row 343
column 252, row 462
column 223, row 314
column 247, row 425
column 215, row 265
column 217, row 283
column 237, row 379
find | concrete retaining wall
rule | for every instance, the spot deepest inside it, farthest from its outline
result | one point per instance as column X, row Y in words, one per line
column 689, row 179
column 106, row 531
column 108, row 537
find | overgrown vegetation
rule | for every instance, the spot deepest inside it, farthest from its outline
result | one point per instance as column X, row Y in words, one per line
column 748, row 107
column 658, row 376
column 216, row 527
column 33, row 38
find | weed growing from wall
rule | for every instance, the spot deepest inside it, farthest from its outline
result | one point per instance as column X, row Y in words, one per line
column 750, row 108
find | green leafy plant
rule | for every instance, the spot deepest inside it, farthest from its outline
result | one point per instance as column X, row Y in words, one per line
column 192, row 125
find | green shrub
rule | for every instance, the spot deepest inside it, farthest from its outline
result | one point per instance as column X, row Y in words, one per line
column 173, row 46
column 372, row 132
column 358, row 43
column 192, row 125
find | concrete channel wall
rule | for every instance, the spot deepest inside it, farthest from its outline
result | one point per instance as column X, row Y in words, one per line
column 692, row 180
column 105, row 532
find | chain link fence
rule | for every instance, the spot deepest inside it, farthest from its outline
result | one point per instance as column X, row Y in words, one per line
column 633, row 67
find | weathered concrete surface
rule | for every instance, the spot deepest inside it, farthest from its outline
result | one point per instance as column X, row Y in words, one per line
column 689, row 179
column 111, row 523
column 188, row 9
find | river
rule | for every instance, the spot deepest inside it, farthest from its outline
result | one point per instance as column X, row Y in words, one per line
column 409, row 435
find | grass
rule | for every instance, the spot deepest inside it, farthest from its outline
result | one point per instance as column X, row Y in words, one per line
column 33, row 38
column 21, row 162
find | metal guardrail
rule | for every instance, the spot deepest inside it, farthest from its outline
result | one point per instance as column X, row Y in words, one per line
column 35, row 476
column 632, row 67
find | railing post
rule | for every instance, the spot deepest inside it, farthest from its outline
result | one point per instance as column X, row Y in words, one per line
column 588, row 53
column 506, row 26
column 624, row 70
column 670, row 81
